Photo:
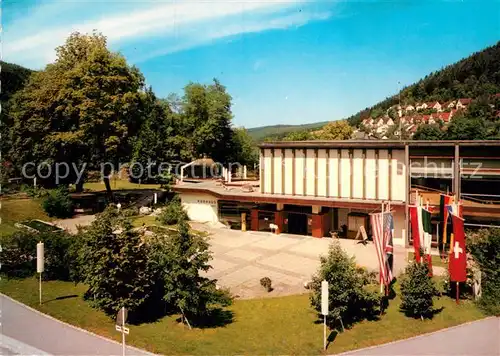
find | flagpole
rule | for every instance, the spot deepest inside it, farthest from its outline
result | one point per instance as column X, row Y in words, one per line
column 381, row 280
column 457, row 292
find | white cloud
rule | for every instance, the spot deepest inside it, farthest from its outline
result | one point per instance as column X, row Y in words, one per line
column 222, row 18
column 208, row 34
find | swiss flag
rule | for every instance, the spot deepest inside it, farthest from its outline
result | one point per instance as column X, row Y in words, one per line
column 458, row 258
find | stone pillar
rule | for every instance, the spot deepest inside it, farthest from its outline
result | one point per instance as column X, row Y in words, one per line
column 243, row 221
column 279, row 221
column 254, row 220
column 318, row 227
column 245, row 172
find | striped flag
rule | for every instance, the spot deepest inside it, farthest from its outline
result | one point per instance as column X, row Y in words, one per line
column 383, row 230
column 421, row 230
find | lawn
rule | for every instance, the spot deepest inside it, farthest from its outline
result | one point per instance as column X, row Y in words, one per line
column 284, row 325
column 118, row 184
column 16, row 210
column 436, row 260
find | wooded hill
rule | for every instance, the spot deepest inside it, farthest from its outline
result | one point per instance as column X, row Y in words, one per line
column 472, row 77
column 13, row 78
column 280, row 131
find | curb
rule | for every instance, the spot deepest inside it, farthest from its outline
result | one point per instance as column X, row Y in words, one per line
column 75, row 327
column 413, row 337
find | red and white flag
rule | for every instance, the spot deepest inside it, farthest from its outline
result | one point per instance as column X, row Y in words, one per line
column 458, row 258
column 383, row 231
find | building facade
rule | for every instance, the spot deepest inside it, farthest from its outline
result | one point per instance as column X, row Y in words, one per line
column 325, row 188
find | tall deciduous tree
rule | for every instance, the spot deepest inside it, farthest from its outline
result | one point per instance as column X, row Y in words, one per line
column 81, row 109
column 428, row 132
column 336, row 130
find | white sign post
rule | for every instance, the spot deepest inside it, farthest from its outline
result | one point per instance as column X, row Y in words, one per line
column 121, row 318
column 40, row 261
column 324, row 308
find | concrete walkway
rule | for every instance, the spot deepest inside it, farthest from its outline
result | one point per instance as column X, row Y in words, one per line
column 25, row 331
column 477, row 338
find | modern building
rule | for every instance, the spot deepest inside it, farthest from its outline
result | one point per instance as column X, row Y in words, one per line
column 323, row 187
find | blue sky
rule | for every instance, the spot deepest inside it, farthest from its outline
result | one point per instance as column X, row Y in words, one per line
column 283, row 62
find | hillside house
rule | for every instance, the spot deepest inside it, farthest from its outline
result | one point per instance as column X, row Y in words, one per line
column 463, row 103
column 409, row 108
column 434, row 105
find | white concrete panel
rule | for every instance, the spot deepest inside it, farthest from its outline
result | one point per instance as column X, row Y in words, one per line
column 322, row 174
column 288, row 171
column 299, row 172
column 358, row 179
column 277, row 172
column 311, row 176
column 370, row 173
column 345, row 174
column 383, row 174
column 200, row 207
column 399, row 225
column 261, row 173
column 267, row 171
column 333, row 189
column 398, row 179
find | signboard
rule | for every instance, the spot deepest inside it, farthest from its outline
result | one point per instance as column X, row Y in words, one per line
column 40, row 258
column 121, row 316
column 324, row 298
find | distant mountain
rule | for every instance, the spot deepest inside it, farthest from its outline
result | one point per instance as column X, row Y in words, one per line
column 472, row 77
column 279, row 131
column 13, row 78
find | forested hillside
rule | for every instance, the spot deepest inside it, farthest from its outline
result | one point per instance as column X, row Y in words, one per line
column 277, row 132
column 13, row 78
column 472, row 77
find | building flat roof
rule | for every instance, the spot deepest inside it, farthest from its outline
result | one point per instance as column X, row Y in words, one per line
column 234, row 193
column 376, row 144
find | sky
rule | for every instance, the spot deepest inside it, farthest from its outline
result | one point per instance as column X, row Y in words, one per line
column 283, row 62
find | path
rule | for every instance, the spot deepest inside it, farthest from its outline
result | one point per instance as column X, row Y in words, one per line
column 477, row 338
column 241, row 259
column 27, row 332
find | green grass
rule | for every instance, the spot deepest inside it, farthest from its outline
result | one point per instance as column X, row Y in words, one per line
column 118, row 184
column 17, row 210
column 144, row 220
column 283, row 325
column 436, row 260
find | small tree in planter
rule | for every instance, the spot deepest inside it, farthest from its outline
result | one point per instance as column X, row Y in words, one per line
column 417, row 291
column 266, row 283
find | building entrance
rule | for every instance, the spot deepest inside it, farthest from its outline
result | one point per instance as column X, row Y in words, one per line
column 297, row 223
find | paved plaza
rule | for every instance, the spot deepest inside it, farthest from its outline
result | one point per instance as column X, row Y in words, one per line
column 241, row 259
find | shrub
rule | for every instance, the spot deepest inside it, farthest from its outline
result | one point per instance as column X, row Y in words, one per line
column 350, row 297
column 417, row 291
column 172, row 213
column 266, row 283
column 485, row 249
column 19, row 254
column 58, row 203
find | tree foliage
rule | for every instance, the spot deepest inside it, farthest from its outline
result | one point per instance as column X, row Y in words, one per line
column 172, row 213
column 417, row 291
column 58, row 203
column 19, row 254
column 81, row 109
column 335, row 130
column 484, row 246
column 180, row 258
column 349, row 295
column 429, row 132
column 113, row 263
